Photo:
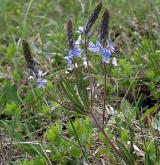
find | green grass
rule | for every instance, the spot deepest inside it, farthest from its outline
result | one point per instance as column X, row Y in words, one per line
column 32, row 132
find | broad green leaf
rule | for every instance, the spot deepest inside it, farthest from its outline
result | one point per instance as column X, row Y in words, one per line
column 11, row 50
column 10, row 93
column 11, row 109
column 124, row 135
column 53, row 133
column 75, row 152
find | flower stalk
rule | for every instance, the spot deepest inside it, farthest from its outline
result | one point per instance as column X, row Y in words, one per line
column 103, row 35
column 105, row 93
column 104, row 133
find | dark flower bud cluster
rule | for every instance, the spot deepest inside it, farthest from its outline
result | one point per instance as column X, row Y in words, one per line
column 31, row 65
column 103, row 32
column 29, row 58
column 93, row 17
column 70, row 34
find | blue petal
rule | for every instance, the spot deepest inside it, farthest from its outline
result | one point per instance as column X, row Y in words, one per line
column 81, row 29
column 70, row 54
column 92, row 47
column 104, row 58
column 41, row 83
column 98, row 45
column 68, row 57
column 69, row 62
column 106, row 54
column 76, row 51
column 78, row 41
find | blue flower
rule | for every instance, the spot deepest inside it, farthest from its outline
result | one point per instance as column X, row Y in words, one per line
column 106, row 54
column 41, row 83
column 75, row 51
column 81, row 29
column 105, row 51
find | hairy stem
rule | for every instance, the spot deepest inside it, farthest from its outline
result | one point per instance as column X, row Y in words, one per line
column 104, row 133
column 89, row 72
column 105, row 93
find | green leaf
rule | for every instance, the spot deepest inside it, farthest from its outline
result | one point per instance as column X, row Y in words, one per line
column 49, row 85
column 58, row 157
column 128, row 111
column 83, row 128
column 16, row 75
column 75, row 152
column 10, row 93
column 53, row 133
column 71, row 94
column 11, row 50
column 125, row 154
column 11, row 109
column 150, row 74
column 149, row 111
column 29, row 98
column 125, row 106
column 124, row 135
column 36, row 161
column 9, row 129
column 82, row 88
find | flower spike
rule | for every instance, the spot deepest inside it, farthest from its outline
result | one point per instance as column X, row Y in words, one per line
column 103, row 32
column 29, row 58
column 74, row 46
column 92, row 18
column 69, row 34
